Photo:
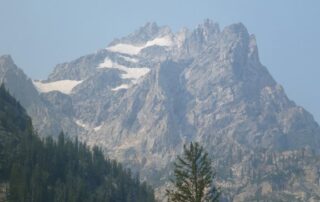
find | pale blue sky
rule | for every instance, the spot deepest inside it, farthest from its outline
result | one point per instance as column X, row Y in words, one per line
column 39, row 34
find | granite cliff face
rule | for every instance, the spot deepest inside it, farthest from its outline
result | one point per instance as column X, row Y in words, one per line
column 147, row 94
column 46, row 119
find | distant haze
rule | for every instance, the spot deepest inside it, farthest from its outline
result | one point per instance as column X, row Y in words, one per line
column 40, row 34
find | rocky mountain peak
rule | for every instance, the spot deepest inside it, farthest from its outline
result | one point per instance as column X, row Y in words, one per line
column 237, row 28
column 208, row 28
column 150, row 28
column 6, row 63
column 201, row 37
column 6, row 57
column 149, row 31
column 150, row 92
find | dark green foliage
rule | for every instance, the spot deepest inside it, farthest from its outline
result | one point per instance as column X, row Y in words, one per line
column 58, row 170
column 14, row 124
column 193, row 177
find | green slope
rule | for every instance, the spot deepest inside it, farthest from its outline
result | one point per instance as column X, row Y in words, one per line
column 57, row 170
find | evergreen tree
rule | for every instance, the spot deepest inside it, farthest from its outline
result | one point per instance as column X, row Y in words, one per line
column 193, row 177
column 58, row 170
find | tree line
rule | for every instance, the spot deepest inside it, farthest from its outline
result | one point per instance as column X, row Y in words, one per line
column 61, row 170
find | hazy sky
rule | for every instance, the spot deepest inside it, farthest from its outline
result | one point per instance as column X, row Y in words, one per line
column 39, row 34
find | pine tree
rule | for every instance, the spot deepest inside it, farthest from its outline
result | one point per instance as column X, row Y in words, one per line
column 58, row 170
column 193, row 177
column 17, row 190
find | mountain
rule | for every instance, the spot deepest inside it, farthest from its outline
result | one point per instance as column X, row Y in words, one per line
column 47, row 120
column 147, row 94
column 38, row 170
column 14, row 124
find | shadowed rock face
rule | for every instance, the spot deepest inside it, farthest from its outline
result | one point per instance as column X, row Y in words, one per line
column 204, row 85
column 47, row 120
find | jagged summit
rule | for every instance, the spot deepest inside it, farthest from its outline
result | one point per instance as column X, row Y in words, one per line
column 16, row 81
column 46, row 119
column 145, row 33
column 6, row 63
column 148, row 93
column 7, row 58
column 208, row 29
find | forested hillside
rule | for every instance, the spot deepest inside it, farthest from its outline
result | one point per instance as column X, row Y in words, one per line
column 48, row 170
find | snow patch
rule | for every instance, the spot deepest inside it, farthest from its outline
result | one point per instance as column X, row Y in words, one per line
column 132, row 74
column 122, row 86
column 125, row 48
column 129, row 143
column 128, row 73
column 129, row 59
column 87, row 126
column 134, row 49
column 97, row 128
column 106, row 64
column 160, row 41
column 81, row 124
column 63, row 86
